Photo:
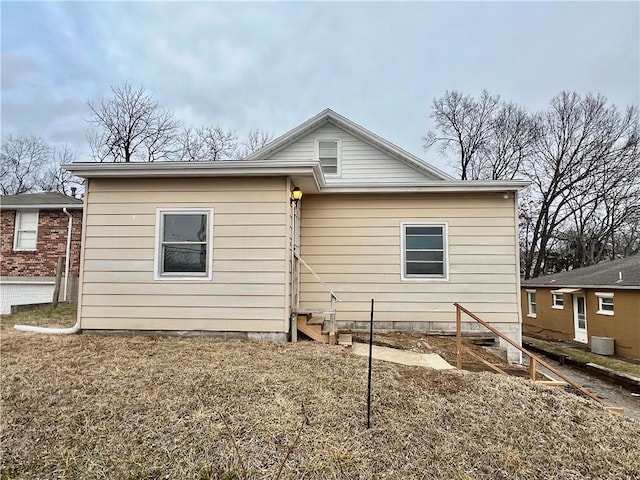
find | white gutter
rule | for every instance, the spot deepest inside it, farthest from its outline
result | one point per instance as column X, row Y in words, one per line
column 186, row 169
column 59, row 331
column 457, row 186
column 41, row 206
column 262, row 168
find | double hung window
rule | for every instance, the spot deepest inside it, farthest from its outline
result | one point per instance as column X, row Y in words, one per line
column 184, row 243
column 25, row 235
column 531, row 301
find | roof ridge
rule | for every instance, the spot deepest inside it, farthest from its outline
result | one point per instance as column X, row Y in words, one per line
column 330, row 116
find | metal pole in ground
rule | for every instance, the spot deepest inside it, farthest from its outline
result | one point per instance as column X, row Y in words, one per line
column 370, row 366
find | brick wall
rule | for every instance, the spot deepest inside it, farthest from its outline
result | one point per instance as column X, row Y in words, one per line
column 51, row 243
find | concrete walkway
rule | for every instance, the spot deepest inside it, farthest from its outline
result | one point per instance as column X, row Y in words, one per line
column 405, row 357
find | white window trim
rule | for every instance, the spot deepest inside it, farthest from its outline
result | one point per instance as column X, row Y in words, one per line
column 601, row 296
column 529, row 314
column 15, row 230
column 445, row 256
column 157, row 275
column 553, row 300
column 338, row 159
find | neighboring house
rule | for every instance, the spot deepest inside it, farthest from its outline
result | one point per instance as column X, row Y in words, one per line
column 36, row 229
column 598, row 301
column 207, row 246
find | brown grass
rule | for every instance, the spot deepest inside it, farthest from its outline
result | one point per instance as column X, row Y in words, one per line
column 615, row 363
column 87, row 406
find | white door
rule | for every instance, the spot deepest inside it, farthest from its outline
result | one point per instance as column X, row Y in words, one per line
column 580, row 318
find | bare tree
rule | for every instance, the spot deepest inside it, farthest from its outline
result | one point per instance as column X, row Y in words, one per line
column 581, row 140
column 581, row 155
column 511, row 139
column 256, row 140
column 490, row 137
column 55, row 178
column 31, row 165
column 464, row 127
column 627, row 236
column 207, row 144
column 602, row 213
column 131, row 127
column 22, row 160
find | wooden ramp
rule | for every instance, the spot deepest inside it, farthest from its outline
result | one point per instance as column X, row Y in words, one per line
column 534, row 361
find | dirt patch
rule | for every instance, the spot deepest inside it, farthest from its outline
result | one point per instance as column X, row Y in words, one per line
column 445, row 346
column 442, row 384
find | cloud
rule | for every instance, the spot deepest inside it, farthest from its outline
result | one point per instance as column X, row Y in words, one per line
column 273, row 65
column 17, row 70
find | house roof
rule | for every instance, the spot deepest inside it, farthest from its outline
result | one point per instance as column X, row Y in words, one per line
column 309, row 169
column 306, row 173
column 42, row 200
column 623, row 273
column 328, row 116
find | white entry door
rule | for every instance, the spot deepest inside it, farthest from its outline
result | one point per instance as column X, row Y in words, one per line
column 580, row 319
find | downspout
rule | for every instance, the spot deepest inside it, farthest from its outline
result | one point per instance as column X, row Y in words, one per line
column 62, row 331
column 68, row 252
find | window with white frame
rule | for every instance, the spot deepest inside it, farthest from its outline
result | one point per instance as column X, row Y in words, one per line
column 184, row 243
column 557, row 301
column 531, row 301
column 424, row 251
column 328, row 156
column 605, row 303
column 25, row 236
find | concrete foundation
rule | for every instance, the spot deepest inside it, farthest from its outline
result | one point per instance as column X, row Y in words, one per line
column 276, row 337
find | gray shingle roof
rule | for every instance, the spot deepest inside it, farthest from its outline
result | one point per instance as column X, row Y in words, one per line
column 41, row 200
column 605, row 274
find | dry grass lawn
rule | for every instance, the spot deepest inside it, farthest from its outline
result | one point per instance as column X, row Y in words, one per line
column 619, row 364
column 87, row 406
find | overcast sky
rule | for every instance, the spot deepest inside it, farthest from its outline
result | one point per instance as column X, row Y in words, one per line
column 273, row 65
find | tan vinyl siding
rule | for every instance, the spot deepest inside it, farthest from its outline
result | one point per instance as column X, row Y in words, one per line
column 354, row 243
column 250, row 263
column 360, row 162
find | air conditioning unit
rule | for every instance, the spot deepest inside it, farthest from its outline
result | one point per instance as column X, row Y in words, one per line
column 602, row 345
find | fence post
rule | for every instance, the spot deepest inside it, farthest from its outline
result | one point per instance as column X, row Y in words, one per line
column 533, row 365
column 332, row 322
column 459, row 337
column 370, row 367
column 56, row 289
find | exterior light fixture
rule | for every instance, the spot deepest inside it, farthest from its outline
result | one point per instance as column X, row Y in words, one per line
column 296, row 195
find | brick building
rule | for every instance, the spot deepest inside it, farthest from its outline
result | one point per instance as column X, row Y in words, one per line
column 34, row 232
